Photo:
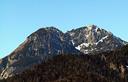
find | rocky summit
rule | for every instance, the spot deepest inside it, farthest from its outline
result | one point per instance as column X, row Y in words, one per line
column 92, row 39
column 48, row 42
column 39, row 46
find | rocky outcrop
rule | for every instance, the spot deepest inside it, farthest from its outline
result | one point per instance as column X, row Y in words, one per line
column 92, row 39
column 39, row 46
column 48, row 42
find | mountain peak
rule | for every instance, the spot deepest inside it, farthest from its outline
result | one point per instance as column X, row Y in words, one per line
column 92, row 26
column 50, row 41
column 52, row 28
column 39, row 46
column 48, row 29
column 91, row 38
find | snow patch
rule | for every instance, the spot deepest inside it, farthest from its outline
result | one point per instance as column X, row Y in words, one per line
column 86, row 44
column 101, row 40
column 83, row 44
column 72, row 42
column 78, row 47
column 126, row 66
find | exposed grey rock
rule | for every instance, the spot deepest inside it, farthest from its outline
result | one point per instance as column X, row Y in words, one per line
column 92, row 39
column 39, row 46
column 48, row 42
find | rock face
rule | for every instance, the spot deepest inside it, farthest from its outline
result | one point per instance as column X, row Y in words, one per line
column 48, row 42
column 39, row 46
column 91, row 39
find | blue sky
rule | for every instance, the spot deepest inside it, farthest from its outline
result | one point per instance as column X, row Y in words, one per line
column 19, row 18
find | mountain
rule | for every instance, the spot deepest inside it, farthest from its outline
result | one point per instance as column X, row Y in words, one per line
column 39, row 46
column 92, row 39
column 48, row 42
column 109, row 66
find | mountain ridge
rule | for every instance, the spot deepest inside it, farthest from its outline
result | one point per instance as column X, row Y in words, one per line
column 109, row 66
column 48, row 42
column 91, row 38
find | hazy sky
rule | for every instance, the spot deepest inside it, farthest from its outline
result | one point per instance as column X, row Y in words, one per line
column 19, row 18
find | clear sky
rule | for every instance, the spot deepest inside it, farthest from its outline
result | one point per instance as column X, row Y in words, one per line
column 19, row 18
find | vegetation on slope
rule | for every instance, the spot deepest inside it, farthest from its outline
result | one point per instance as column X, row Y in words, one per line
column 103, row 67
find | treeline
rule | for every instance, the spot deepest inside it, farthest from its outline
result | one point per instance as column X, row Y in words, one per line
column 103, row 67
